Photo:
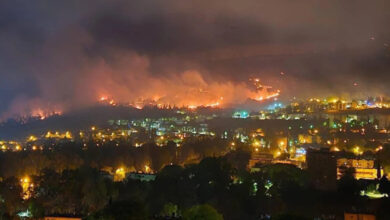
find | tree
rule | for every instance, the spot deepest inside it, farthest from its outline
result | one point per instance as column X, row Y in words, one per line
column 212, row 176
column 35, row 208
column 290, row 217
column 170, row 210
column 95, row 189
column 202, row 212
column 384, row 157
column 348, row 186
column 239, row 159
column 11, row 191
column 285, row 179
column 384, row 185
column 130, row 210
column 172, row 186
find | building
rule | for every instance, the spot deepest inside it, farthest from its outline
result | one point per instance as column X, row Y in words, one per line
column 260, row 158
column 61, row 218
column 364, row 168
column 308, row 139
column 321, row 166
column 355, row 216
column 142, row 176
column 241, row 114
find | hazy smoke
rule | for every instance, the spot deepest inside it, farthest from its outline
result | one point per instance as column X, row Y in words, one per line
column 63, row 55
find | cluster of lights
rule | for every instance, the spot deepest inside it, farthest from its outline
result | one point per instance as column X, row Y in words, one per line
column 58, row 135
column 27, row 187
column 357, row 151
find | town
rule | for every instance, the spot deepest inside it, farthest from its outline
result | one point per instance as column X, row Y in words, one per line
column 326, row 139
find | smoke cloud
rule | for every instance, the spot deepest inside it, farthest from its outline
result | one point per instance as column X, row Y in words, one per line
column 62, row 55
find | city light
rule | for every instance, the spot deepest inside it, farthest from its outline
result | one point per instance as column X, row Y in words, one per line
column 27, row 187
column 356, row 150
column 147, row 169
column 335, row 149
column 120, row 174
column 32, row 138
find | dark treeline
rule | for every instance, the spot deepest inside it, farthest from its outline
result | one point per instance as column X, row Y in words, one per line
column 213, row 189
column 69, row 180
column 72, row 155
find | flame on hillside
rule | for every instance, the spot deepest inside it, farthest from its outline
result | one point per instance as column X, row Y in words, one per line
column 207, row 96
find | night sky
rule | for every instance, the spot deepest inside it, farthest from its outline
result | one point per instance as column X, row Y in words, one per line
column 65, row 54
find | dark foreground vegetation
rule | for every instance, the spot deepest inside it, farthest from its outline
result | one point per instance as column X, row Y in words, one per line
column 70, row 181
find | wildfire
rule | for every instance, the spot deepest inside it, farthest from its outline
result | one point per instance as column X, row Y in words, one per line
column 273, row 95
column 43, row 114
column 210, row 96
column 104, row 99
column 188, row 89
column 210, row 105
column 263, row 92
column 213, row 105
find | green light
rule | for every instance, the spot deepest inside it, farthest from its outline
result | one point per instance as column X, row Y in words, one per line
column 25, row 214
column 241, row 114
column 255, row 188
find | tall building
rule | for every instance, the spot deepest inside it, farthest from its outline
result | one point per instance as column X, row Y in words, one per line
column 321, row 166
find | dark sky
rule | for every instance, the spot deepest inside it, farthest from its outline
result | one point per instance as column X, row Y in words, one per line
column 63, row 54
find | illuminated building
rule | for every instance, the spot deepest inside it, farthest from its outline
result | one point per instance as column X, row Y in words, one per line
column 356, row 216
column 241, row 114
column 364, row 168
column 354, row 104
column 282, row 143
column 58, row 135
column 340, row 105
column 308, row 139
column 61, row 218
column 260, row 158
